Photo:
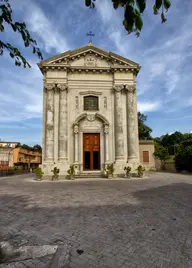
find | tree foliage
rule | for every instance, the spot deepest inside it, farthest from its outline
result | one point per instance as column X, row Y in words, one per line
column 21, row 29
column 133, row 10
column 161, row 152
column 172, row 141
column 35, row 148
column 144, row 130
column 183, row 158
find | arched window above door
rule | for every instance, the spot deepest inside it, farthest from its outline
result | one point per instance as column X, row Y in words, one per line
column 91, row 103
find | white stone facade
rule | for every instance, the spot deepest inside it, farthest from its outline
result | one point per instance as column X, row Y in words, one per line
column 68, row 78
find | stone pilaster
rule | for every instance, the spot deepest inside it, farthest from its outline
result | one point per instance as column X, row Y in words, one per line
column 49, row 126
column 63, row 123
column 132, row 125
column 76, row 137
column 44, row 124
column 119, row 143
column 56, row 123
column 106, row 133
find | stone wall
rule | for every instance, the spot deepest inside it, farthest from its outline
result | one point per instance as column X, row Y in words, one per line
column 147, row 146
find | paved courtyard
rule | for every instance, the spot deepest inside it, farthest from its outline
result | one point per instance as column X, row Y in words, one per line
column 137, row 223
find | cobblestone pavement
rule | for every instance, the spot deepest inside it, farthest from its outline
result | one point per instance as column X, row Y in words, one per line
column 137, row 223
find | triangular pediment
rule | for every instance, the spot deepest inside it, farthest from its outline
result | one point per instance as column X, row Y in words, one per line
column 89, row 56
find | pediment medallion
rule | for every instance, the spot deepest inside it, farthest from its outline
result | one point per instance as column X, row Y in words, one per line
column 90, row 61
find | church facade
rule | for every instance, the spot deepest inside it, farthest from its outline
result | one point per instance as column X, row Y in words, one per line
column 89, row 111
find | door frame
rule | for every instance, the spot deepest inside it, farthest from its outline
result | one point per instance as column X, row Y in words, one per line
column 83, row 158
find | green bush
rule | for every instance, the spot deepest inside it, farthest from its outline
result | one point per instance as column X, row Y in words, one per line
column 39, row 173
column 183, row 159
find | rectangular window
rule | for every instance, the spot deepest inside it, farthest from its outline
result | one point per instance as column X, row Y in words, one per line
column 145, row 156
column 91, row 103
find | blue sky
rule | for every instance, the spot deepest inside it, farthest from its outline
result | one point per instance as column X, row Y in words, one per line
column 163, row 51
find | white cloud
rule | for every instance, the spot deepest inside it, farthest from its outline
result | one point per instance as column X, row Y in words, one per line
column 148, row 106
column 46, row 30
column 161, row 51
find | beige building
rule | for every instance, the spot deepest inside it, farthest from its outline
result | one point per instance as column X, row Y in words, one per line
column 9, row 144
column 89, row 111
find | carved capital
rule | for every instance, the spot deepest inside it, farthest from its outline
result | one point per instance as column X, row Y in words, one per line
column 56, row 89
column 118, row 88
column 130, row 88
column 49, row 86
column 76, row 129
column 62, row 87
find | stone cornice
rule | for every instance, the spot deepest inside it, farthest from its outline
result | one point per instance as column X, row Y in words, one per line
column 85, row 69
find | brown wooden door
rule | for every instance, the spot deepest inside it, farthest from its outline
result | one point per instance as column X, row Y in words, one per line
column 91, row 151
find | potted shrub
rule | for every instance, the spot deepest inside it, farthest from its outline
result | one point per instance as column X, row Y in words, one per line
column 71, row 172
column 38, row 173
column 141, row 171
column 109, row 170
column 55, row 175
column 127, row 172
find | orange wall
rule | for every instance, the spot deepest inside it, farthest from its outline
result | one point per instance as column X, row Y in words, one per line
column 25, row 156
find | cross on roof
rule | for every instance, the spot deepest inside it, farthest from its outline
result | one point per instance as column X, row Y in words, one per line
column 90, row 34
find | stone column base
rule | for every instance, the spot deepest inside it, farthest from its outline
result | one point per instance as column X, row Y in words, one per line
column 133, row 162
column 119, row 168
column 47, row 167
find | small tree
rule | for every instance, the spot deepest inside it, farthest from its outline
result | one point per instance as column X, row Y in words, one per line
column 144, row 130
column 183, row 158
column 162, row 153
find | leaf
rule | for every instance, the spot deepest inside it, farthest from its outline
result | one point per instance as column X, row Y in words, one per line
column 11, row 55
column 115, row 4
column 155, row 10
column 34, row 50
column 26, row 43
column 88, row 3
column 125, row 22
column 14, row 27
column 167, row 4
column 141, row 4
column 158, row 3
column 138, row 22
column 163, row 19
column 129, row 16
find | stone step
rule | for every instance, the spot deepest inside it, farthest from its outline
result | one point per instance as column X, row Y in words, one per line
column 90, row 175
